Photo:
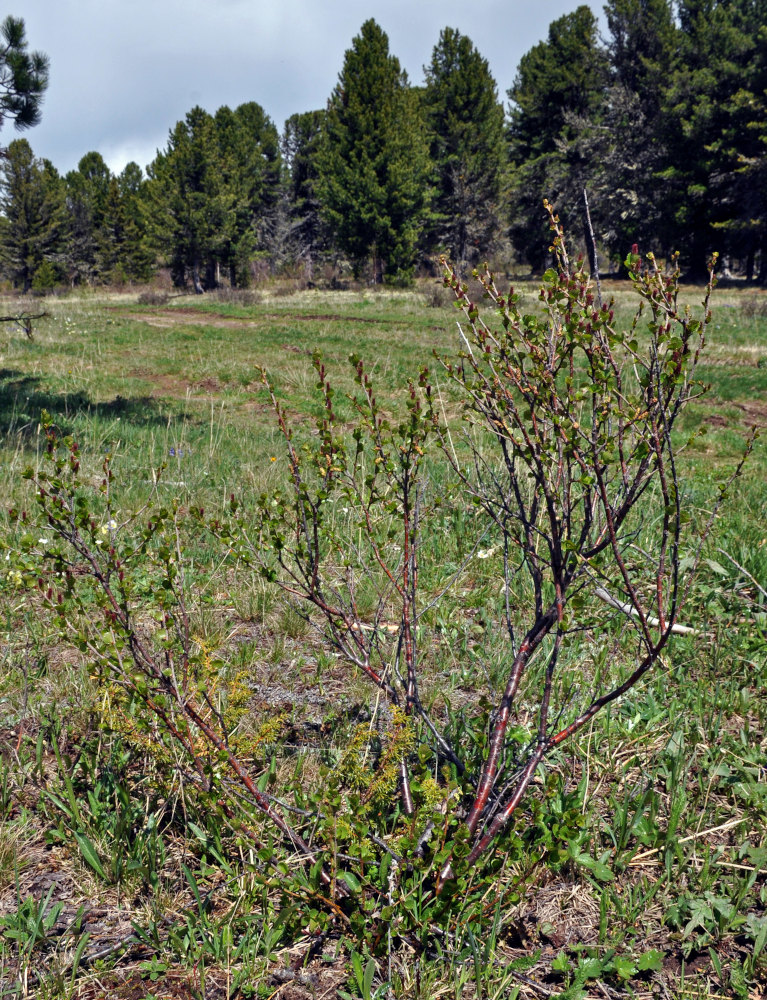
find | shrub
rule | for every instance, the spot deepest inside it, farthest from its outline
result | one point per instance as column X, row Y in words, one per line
column 237, row 296
column 567, row 466
column 153, row 297
column 46, row 279
column 753, row 306
column 436, row 295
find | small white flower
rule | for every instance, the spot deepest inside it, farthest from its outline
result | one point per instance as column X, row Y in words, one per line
column 42, row 541
column 485, row 553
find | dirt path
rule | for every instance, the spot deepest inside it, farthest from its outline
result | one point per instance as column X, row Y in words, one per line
column 176, row 317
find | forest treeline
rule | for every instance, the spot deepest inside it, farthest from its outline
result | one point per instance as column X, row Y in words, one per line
column 661, row 123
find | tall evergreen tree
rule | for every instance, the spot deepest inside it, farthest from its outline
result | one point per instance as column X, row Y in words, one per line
column 87, row 254
column 738, row 186
column 111, row 235
column 614, row 161
column 558, row 80
column 251, row 165
column 88, row 198
column 466, row 123
column 31, row 200
column 191, row 208
column 214, row 190
column 642, row 48
column 565, row 73
column 136, row 257
column 374, row 161
column 308, row 234
column 705, row 124
column 123, row 251
column 615, row 149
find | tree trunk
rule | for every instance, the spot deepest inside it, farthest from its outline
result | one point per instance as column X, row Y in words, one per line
column 750, row 265
column 211, row 273
column 591, row 246
column 196, row 277
column 377, row 267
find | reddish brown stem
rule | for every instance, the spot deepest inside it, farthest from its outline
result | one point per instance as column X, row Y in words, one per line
column 528, row 646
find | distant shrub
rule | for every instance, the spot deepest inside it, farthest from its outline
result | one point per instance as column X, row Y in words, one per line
column 437, row 296
column 46, row 279
column 258, row 271
column 754, row 306
column 118, row 276
column 153, row 297
column 237, row 296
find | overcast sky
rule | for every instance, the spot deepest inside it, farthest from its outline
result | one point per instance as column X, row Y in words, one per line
column 123, row 73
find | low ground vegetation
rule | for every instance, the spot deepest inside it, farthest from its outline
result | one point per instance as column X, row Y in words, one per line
column 135, row 861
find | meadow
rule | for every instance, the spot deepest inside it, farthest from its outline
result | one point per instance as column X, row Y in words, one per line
column 637, row 865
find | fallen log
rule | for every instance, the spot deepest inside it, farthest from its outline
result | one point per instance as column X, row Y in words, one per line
column 24, row 320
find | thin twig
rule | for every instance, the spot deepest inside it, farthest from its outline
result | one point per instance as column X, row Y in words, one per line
column 744, row 571
column 693, row 836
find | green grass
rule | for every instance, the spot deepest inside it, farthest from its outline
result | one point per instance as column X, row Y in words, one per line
column 640, row 863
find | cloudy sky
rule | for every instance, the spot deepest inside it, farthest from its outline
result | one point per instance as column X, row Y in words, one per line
column 123, row 73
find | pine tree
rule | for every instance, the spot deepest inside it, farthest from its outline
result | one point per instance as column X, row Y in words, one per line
column 707, row 124
column 137, row 258
column 123, row 251
column 614, row 150
column 191, row 206
column 565, row 73
column 642, row 48
column 87, row 255
column 214, row 192
column 739, row 182
column 23, row 76
column 308, row 235
column 251, row 166
column 468, row 150
column 374, row 160
column 558, row 81
column 31, row 201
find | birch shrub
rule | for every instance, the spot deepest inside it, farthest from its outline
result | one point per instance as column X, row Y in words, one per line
column 565, row 453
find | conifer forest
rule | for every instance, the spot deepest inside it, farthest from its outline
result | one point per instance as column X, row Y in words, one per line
column 660, row 127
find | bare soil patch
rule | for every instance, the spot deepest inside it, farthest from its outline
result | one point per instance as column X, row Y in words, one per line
column 176, row 317
column 172, row 385
column 754, row 413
